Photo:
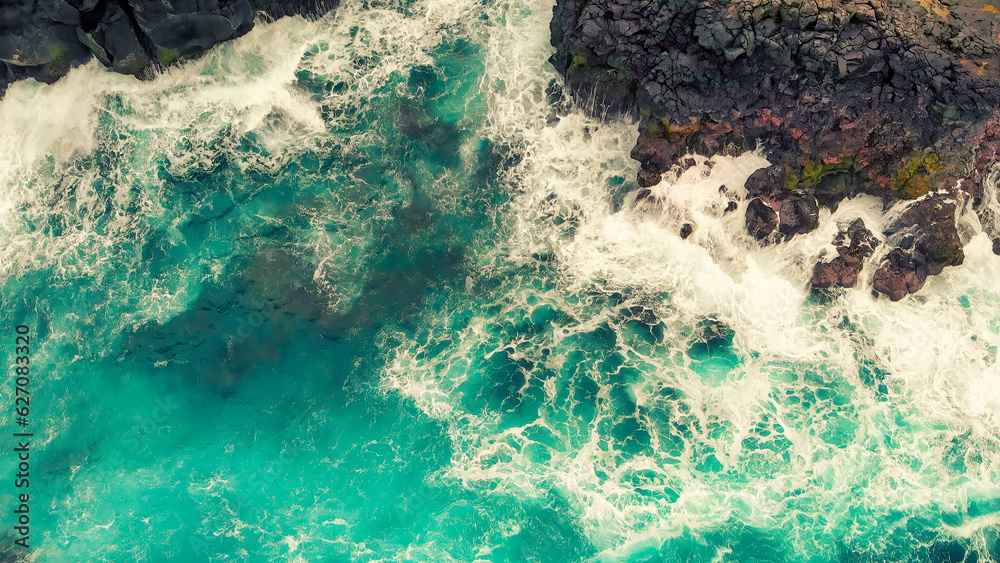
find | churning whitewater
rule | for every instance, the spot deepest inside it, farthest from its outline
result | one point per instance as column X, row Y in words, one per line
column 373, row 288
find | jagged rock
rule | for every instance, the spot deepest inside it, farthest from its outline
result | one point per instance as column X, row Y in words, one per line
column 799, row 214
column 686, row 230
column 655, row 155
column 854, row 246
column 896, row 283
column 893, row 98
column 767, row 182
column 178, row 29
column 826, row 274
column 925, row 240
column 762, row 219
column 44, row 39
column 996, row 246
column 928, row 227
column 115, row 42
column 647, row 179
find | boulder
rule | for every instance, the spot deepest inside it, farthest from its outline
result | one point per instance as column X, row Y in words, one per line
column 768, row 182
column 927, row 229
column 799, row 214
column 854, row 245
column 896, row 283
column 647, row 179
column 761, row 218
column 924, row 240
column 654, row 155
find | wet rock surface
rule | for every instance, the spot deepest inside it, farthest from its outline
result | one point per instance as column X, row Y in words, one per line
column 924, row 239
column 44, row 39
column 762, row 219
column 799, row 214
column 894, row 98
column 854, row 245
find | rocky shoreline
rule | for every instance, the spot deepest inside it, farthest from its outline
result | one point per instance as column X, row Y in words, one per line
column 899, row 99
column 893, row 98
column 44, row 39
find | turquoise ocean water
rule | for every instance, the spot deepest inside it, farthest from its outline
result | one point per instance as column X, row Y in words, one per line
column 371, row 288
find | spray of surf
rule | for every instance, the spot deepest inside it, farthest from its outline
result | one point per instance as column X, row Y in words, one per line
column 670, row 386
column 662, row 388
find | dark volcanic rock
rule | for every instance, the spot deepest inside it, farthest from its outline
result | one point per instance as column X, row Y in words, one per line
column 768, row 182
column 647, row 179
column 896, row 283
column 854, row 246
column 799, row 214
column 38, row 40
column 44, row 39
column 762, row 219
column 115, row 42
column 686, row 230
column 925, row 240
column 883, row 88
column 180, row 29
column 644, row 195
column 894, row 98
column 655, row 155
column 928, row 229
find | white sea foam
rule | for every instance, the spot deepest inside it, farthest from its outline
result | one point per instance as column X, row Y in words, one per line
column 871, row 406
column 52, row 147
column 82, row 158
column 901, row 411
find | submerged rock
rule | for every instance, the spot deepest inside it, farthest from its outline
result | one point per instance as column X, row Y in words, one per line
column 894, row 98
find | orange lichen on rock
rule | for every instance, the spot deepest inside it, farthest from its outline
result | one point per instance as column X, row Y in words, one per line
column 936, row 7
